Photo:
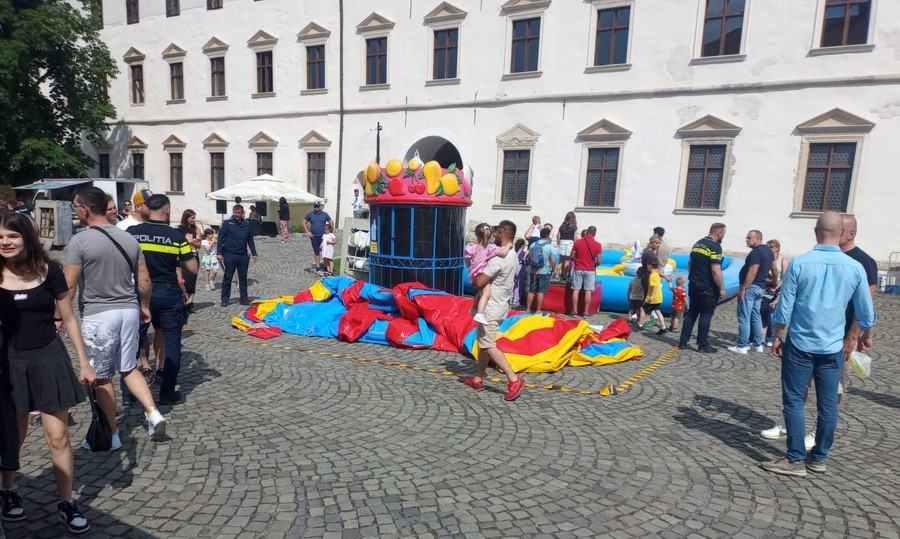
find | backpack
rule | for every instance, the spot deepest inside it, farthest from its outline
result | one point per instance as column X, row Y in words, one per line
column 536, row 256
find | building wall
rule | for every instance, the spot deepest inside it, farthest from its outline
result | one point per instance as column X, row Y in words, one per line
column 780, row 83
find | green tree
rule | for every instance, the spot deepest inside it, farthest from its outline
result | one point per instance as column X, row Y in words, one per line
column 53, row 74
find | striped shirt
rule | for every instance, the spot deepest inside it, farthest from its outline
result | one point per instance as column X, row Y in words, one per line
column 164, row 247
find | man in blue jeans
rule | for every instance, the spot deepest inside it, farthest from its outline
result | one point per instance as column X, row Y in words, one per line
column 753, row 286
column 814, row 296
column 235, row 240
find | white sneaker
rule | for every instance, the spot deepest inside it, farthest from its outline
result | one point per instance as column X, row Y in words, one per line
column 810, row 441
column 739, row 349
column 759, row 348
column 479, row 318
column 775, row 433
column 156, row 425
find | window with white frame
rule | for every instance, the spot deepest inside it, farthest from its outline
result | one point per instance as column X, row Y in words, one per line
column 525, row 22
column 515, row 153
column 313, row 38
column 263, row 44
column 443, row 23
column 216, row 146
column 846, row 22
column 375, row 30
column 174, row 146
column 215, row 50
column 723, row 27
column 174, row 56
column 831, row 148
column 315, row 146
column 612, row 33
column 135, row 60
column 136, row 149
column 705, row 168
column 264, row 146
column 603, row 144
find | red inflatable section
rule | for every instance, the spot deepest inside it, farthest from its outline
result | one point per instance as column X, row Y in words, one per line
column 450, row 316
column 559, row 299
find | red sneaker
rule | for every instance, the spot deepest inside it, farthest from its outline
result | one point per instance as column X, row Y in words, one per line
column 475, row 383
column 514, row 388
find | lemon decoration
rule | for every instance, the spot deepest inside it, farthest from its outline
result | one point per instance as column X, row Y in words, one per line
column 393, row 168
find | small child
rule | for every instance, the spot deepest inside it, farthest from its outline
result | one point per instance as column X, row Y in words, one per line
column 328, row 242
column 208, row 257
column 679, row 302
column 635, row 298
column 477, row 255
column 534, row 231
column 654, row 296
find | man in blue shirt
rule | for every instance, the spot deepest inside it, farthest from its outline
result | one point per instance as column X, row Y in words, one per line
column 314, row 223
column 753, row 285
column 814, row 296
column 235, row 240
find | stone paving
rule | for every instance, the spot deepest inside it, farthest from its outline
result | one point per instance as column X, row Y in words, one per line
column 300, row 441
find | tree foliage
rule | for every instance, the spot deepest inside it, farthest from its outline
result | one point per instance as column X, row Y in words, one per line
column 53, row 75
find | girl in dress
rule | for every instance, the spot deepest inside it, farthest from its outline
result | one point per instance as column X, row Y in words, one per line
column 39, row 370
column 476, row 255
column 208, row 261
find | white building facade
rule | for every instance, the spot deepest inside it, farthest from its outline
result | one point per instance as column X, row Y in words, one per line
column 633, row 113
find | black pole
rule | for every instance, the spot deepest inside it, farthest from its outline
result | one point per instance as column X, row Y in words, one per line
column 378, row 129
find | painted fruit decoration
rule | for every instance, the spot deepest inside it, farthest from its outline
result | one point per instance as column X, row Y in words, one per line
column 415, row 179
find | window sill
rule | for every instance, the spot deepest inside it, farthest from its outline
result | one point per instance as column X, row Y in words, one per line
column 697, row 211
column 374, row 87
column 523, row 75
column 262, row 95
column 441, row 82
column 136, row 104
column 514, row 207
column 841, row 49
column 597, row 209
column 176, row 101
column 217, row 98
column 724, row 59
column 314, row 91
column 174, row 193
column 606, row 68
column 805, row 214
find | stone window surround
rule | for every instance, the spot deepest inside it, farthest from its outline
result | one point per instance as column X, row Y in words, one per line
column 382, row 27
column 518, row 137
column 451, row 18
column 705, row 131
column 698, row 58
column 816, row 48
column 310, row 36
column 262, row 41
column 215, row 48
column 603, row 134
column 133, row 57
column 515, row 11
column 173, row 54
column 595, row 6
column 313, row 142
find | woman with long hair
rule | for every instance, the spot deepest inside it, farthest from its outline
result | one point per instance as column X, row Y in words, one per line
column 284, row 217
column 191, row 231
column 565, row 235
column 39, row 370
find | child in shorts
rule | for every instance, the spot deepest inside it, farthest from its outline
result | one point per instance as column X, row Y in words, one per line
column 679, row 303
column 635, row 298
column 476, row 255
column 654, row 296
column 328, row 242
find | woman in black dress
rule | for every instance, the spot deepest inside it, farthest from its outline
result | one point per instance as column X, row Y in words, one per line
column 39, row 371
column 284, row 218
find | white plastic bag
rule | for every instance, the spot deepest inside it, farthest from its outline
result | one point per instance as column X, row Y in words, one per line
column 861, row 363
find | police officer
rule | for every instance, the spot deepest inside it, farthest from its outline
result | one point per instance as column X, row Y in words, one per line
column 235, row 240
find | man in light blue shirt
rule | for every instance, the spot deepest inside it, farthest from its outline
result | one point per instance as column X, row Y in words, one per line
column 815, row 292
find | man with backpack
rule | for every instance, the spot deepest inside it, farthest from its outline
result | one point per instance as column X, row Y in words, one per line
column 541, row 264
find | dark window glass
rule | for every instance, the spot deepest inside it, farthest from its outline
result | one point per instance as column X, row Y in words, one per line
column 829, row 170
column 137, row 84
column 177, row 75
column 602, row 173
column 525, row 45
column 315, row 173
column 846, row 22
column 612, row 36
column 424, row 228
column 173, row 8
column 263, row 163
column 213, row 4
column 515, row 177
column 264, row 72
column 402, row 231
column 384, row 230
column 376, row 60
column 103, row 165
column 137, row 166
column 216, row 171
column 706, row 169
column 446, row 44
column 217, row 76
column 175, row 172
column 722, row 27
column 132, row 12
column 315, row 67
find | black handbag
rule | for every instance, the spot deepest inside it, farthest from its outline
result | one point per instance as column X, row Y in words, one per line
column 99, row 435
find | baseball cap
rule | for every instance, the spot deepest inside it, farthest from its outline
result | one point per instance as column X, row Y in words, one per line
column 317, row 204
column 141, row 197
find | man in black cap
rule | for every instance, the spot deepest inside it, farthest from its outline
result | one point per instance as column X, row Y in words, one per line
column 314, row 223
column 235, row 240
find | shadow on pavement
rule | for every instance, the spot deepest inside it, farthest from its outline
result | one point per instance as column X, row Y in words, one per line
column 884, row 399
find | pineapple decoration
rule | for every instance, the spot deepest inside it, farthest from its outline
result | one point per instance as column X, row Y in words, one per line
column 416, row 178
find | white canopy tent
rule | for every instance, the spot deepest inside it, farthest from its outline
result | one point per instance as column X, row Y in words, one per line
column 265, row 188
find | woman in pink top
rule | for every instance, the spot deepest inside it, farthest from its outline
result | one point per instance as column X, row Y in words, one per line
column 477, row 254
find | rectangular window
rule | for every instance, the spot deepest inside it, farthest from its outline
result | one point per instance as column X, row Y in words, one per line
column 216, row 171
column 829, row 171
column 602, row 174
column 706, row 169
column 722, row 27
column 264, row 73
column 446, row 43
column 213, row 4
column 176, row 72
column 376, row 60
column 263, row 163
column 173, row 8
column 137, row 84
column 515, row 177
column 175, row 172
column 525, row 45
column 846, row 22
column 103, row 165
column 137, row 166
column 315, row 67
column 217, row 76
column 315, row 171
column 612, row 36
column 132, row 13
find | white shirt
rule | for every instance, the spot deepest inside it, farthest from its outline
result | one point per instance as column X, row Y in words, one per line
column 128, row 222
column 502, row 271
column 357, row 203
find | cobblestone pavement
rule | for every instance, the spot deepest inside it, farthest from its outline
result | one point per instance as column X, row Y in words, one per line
column 301, row 440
